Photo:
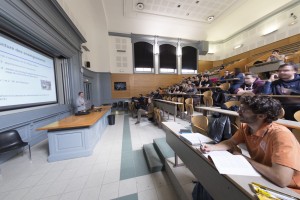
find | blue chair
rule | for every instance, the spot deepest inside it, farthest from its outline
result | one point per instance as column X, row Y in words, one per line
column 10, row 140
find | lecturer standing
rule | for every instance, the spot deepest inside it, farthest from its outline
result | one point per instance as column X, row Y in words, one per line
column 80, row 102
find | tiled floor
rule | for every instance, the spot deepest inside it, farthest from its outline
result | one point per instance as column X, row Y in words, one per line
column 88, row 178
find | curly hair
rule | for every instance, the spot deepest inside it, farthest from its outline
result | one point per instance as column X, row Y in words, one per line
column 263, row 105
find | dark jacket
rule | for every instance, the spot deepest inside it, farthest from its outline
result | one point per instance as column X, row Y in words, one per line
column 257, row 86
column 237, row 83
column 275, row 86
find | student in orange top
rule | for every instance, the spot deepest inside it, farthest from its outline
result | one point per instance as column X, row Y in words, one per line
column 274, row 150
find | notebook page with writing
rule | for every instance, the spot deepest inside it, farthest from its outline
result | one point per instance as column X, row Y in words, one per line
column 227, row 163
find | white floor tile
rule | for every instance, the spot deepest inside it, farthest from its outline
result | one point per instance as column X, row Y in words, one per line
column 166, row 192
column 70, row 195
column 90, row 194
column 56, row 197
column 17, row 194
column 94, row 180
column 76, row 184
column 109, row 191
column 148, row 195
column 56, row 188
column 127, row 187
column 36, row 192
column 144, row 183
column 111, row 176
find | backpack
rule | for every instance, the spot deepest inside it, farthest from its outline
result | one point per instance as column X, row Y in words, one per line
column 199, row 192
column 219, row 128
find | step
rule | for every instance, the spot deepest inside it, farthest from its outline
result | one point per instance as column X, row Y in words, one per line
column 163, row 149
column 153, row 161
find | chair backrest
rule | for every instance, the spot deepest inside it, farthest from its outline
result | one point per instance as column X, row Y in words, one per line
column 228, row 104
column 180, row 107
column 158, row 116
column 208, row 93
column 9, row 138
column 169, row 98
column 174, row 99
column 200, row 121
column 189, row 101
column 165, row 98
column 225, row 86
column 282, row 113
column 237, row 122
column 234, row 128
column 190, row 109
column 297, row 115
column 208, row 101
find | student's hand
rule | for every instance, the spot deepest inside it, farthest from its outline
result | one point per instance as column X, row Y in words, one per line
column 205, row 148
column 273, row 77
column 240, row 91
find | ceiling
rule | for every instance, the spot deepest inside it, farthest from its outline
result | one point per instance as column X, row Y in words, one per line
column 187, row 19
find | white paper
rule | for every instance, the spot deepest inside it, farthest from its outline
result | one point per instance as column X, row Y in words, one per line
column 195, row 138
column 227, row 163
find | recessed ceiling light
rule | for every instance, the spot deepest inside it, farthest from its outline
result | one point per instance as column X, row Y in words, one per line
column 187, row 14
column 178, row 6
column 238, row 46
column 292, row 23
column 210, row 18
column 197, row 1
column 140, row 6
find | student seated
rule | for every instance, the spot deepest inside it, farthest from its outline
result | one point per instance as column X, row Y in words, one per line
column 227, row 75
column 205, row 82
column 252, row 84
column 275, row 56
column 239, row 76
column 148, row 110
column 286, row 82
column 274, row 150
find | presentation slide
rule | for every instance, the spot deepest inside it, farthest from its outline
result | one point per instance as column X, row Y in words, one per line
column 27, row 78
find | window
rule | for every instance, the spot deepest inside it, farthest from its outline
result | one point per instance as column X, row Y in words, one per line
column 189, row 60
column 143, row 57
column 167, row 58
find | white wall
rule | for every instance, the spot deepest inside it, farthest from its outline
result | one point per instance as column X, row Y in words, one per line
column 252, row 38
column 90, row 19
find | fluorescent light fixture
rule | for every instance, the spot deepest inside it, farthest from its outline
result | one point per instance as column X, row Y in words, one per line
column 270, row 31
column 238, row 46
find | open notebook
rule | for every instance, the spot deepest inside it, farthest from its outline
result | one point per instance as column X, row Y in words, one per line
column 227, row 163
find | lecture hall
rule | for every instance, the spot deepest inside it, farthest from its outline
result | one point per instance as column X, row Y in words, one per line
column 149, row 99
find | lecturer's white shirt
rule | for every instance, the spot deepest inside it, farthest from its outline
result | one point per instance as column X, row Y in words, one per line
column 80, row 103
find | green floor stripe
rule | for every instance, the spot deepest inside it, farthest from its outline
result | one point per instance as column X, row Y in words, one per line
column 129, row 197
column 133, row 163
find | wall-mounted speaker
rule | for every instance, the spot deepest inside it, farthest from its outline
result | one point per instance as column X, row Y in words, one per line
column 203, row 47
column 88, row 64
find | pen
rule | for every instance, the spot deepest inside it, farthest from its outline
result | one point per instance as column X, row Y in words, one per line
column 201, row 145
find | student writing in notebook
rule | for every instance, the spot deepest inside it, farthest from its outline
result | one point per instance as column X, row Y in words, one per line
column 273, row 148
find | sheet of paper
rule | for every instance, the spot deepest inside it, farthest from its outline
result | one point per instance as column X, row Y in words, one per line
column 195, row 138
column 227, row 163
